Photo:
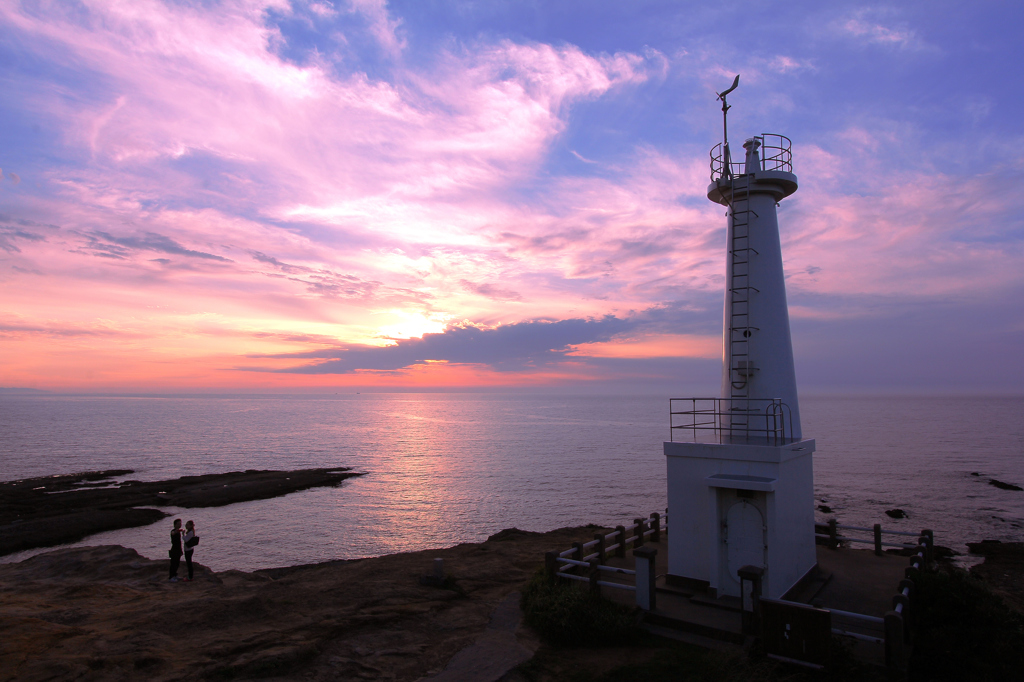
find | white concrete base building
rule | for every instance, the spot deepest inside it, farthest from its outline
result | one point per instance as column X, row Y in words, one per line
column 734, row 505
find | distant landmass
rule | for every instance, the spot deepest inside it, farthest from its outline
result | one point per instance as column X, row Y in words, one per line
column 14, row 390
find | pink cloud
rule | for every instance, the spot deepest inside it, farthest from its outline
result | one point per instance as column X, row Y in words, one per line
column 236, row 202
column 912, row 234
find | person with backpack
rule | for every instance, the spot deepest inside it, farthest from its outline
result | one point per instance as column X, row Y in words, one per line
column 190, row 541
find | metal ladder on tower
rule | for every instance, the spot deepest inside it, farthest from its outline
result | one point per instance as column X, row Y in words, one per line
column 741, row 366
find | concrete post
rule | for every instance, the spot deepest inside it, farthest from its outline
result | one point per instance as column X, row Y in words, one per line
column 551, row 564
column 621, row 534
column 908, row 613
column 929, row 547
column 750, row 600
column 656, row 525
column 878, row 539
column 638, row 531
column 646, row 596
column 833, row 534
column 593, row 574
column 901, row 599
column 894, row 650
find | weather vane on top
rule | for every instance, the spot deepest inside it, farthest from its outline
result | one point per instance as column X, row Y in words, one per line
column 726, row 156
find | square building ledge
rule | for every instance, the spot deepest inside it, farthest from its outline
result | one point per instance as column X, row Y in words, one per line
column 741, row 451
column 741, row 482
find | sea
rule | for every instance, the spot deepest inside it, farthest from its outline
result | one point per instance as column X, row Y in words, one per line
column 448, row 468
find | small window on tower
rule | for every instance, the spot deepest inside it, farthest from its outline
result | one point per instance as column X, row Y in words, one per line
column 745, row 494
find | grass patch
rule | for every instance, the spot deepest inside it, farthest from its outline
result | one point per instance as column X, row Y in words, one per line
column 660, row 660
column 964, row 632
column 566, row 614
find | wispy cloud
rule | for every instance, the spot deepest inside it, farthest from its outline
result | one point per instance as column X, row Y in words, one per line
column 267, row 179
column 871, row 27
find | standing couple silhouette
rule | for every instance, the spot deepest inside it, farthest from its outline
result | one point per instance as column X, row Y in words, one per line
column 182, row 541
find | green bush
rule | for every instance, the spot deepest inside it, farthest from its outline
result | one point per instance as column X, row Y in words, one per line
column 964, row 632
column 564, row 613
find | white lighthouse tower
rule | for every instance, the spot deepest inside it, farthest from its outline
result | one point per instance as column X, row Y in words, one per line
column 740, row 477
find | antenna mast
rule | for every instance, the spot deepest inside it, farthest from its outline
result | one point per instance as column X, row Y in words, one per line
column 726, row 156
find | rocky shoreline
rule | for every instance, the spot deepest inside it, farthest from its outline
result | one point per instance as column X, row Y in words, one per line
column 1002, row 571
column 56, row 510
column 107, row 613
column 98, row 613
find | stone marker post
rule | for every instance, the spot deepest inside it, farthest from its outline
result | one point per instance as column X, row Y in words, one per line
column 646, row 597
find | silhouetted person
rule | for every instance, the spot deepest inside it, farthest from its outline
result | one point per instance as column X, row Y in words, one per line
column 175, row 551
column 190, row 541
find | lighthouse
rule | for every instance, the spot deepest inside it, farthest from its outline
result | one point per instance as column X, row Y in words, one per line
column 740, row 475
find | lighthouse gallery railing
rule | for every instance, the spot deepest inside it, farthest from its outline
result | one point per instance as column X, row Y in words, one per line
column 776, row 155
column 765, row 421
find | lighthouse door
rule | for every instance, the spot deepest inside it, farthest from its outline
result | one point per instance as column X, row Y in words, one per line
column 744, row 539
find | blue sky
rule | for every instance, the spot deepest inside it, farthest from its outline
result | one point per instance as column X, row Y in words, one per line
column 275, row 195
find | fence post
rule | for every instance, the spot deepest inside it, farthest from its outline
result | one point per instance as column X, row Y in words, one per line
column 656, row 526
column 600, row 547
column 750, row 605
column 551, row 564
column 833, row 534
column 878, row 539
column 646, row 595
column 893, row 640
column 577, row 555
column 595, row 589
column 929, row 546
column 908, row 613
column 638, row 531
column 905, row 613
column 621, row 549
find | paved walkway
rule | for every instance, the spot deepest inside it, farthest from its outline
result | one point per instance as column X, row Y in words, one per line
column 495, row 652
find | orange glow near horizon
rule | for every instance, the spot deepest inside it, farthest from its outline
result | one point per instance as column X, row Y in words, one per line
column 71, row 365
column 655, row 346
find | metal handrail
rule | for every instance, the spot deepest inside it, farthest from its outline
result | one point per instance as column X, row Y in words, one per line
column 776, row 155
column 765, row 420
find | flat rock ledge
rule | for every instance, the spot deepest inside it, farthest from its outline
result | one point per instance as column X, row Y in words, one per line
column 106, row 613
column 56, row 510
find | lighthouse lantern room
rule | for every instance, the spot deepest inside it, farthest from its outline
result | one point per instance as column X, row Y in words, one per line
column 740, row 476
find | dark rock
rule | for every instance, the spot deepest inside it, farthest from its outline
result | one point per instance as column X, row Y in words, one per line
column 1002, row 570
column 515, row 533
column 66, row 528
column 975, row 473
column 996, row 548
column 824, row 508
column 1003, row 486
column 54, row 510
column 896, row 514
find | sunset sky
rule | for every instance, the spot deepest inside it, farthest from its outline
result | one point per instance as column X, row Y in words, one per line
column 268, row 195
